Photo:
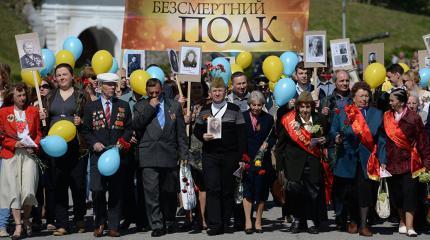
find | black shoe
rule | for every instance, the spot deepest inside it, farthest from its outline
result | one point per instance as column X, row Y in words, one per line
column 229, row 228
column 158, row 233
column 313, row 230
column 295, row 228
column 142, row 228
column 249, row 231
column 213, row 232
column 259, row 231
column 186, row 227
column 125, row 225
column 171, row 228
column 181, row 212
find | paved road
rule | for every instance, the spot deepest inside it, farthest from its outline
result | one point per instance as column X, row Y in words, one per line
column 272, row 226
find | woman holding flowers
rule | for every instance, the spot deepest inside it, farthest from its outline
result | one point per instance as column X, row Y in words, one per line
column 359, row 149
column 256, row 182
column 299, row 151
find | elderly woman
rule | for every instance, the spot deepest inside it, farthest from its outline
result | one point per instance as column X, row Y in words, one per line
column 20, row 127
column 220, row 157
column 411, row 79
column 413, row 104
column 408, row 154
column 66, row 103
column 299, row 151
column 357, row 150
column 256, row 182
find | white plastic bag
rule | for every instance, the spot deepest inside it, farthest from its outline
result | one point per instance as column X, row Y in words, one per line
column 187, row 187
column 383, row 202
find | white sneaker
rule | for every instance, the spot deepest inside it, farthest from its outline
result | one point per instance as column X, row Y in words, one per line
column 411, row 233
column 3, row 233
column 403, row 230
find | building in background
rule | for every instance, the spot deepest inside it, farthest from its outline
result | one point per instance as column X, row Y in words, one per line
column 97, row 23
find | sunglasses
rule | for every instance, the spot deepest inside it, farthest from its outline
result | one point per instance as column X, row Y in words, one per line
column 46, row 86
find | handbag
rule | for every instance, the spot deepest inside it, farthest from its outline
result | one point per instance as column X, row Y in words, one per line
column 383, row 201
column 189, row 200
column 278, row 189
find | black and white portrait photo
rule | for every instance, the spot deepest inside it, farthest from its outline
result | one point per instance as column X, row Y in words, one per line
column 426, row 39
column 134, row 60
column 30, row 53
column 315, row 48
column 340, row 53
column 190, row 60
column 173, row 59
column 427, row 62
column 372, row 53
column 215, row 127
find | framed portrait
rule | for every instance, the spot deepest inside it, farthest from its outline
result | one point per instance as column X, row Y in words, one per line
column 423, row 59
column 341, row 54
column 190, row 62
column 354, row 52
column 215, row 127
column 133, row 60
column 29, row 51
column 173, row 60
column 426, row 39
column 373, row 53
column 315, row 49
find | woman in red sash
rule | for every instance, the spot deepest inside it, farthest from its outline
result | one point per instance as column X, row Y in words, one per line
column 298, row 154
column 358, row 148
column 408, row 154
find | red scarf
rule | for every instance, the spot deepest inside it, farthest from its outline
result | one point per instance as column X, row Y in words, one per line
column 362, row 131
column 399, row 138
column 298, row 134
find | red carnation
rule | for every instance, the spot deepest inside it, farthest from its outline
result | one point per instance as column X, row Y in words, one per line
column 247, row 166
column 245, row 157
column 346, row 122
column 196, row 188
column 124, row 144
column 337, row 111
column 184, row 179
column 261, row 172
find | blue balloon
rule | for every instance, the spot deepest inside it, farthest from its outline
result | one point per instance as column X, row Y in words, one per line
column 108, row 162
column 114, row 67
column 218, row 73
column 48, row 62
column 74, row 45
column 285, row 90
column 289, row 60
column 156, row 72
column 54, row 146
column 424, row 77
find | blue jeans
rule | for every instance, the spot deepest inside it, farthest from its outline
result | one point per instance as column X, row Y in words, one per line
column 4, row 214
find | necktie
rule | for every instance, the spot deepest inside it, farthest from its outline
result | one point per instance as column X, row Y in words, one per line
column 160, row 116
column 107, row 113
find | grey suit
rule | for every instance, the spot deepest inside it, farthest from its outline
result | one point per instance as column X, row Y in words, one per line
column 159, row 151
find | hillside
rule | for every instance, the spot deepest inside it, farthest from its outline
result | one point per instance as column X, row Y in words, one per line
column 406, row 30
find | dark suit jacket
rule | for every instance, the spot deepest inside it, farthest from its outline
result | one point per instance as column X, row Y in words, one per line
column 95, row 126
column 351, row 150
column 160, row 147
column 291, row 158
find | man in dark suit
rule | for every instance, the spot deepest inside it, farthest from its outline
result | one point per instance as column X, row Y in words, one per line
column 107, row 122
column 160, row 128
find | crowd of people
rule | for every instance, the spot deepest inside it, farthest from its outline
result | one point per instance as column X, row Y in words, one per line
column 325, row 149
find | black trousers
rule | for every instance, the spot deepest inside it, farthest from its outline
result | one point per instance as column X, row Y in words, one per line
column 46, row 198
column 219, row 180
column 404, row 191
column 69, row 171
column 160, row 186
column 114, row 186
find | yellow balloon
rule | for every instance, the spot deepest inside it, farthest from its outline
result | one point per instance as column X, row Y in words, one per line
column 405, row 67
column 272, row 86
column 244, row 59
column 65, row 56
column 64, row 129
column 375, row 74
column 27, row 77
column 138, row 80
column 236, row 68
column 102, row 61
column 273, row 68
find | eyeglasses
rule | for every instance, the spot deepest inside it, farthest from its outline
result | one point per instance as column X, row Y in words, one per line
column 45, row 86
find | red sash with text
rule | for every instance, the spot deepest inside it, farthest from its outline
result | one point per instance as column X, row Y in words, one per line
column 399, row 138
column 298, row 134
column 362, row 131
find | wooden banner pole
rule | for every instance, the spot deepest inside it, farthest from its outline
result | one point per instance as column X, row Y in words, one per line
column 39, row 97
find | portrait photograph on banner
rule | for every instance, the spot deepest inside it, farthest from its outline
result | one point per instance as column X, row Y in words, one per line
column 426, row 39
column 133, row 60
column 340, row 54
column 423, row 59
column 190, row 60
column 173, row 60
column 373, row 53
column 29, row 51
column 215, row 127
column 315, row 49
